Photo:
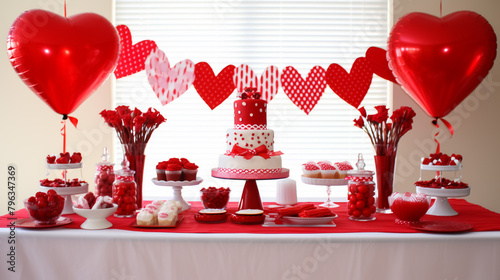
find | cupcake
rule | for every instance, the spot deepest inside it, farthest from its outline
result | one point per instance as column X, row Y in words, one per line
column 189, row 171
column 328, row 171
column 160, row 171
column 173, row 172
column 343, row 167
column 311, row 170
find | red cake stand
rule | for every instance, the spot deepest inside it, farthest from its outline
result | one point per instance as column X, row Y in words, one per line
column 250, row 198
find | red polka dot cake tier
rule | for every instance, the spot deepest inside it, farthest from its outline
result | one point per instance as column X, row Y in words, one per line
column 249, row 144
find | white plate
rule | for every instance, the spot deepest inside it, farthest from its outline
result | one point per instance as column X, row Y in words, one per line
column 323, row 182
column 444, row 192
column 64, row 165
column 441, row 167
column 68, row 190
column 308, row 221
column 177, row 183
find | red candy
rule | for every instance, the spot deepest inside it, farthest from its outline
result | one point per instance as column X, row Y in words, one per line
column 442, row 159
column 442, row 183
column 65, row 158
column 104, row 180
column 124, row 194
column 59, row 183
column 213, row 197
column 45, row 207
column 361, row 200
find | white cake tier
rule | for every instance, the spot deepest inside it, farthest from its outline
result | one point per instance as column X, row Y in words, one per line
column 257, row 164
column 249, row 139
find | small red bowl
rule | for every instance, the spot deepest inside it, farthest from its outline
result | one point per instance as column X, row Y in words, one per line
column 408, row 207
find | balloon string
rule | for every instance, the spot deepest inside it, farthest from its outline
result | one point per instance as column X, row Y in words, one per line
column 64, row 8
column 448, row 125
column 440, row 8
column 63, row 133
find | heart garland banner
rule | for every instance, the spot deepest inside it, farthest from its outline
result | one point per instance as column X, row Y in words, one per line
column 168, row 83
column 305, row 94
column 267, row 84
column 213, row 89
column 351, row 87
column 132, row 57
column 380, row 63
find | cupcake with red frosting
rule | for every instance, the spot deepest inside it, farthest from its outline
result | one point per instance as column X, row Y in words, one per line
column 311, row 170
column 173, row 172
column 343, row 167
column 328, row 170
column 189, row 171
column 160, row 171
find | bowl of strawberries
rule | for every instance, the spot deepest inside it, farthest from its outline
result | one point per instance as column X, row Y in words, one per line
column 214, row 198
column 45, row 208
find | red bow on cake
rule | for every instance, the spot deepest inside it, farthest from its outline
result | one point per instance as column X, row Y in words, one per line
column 250, row 153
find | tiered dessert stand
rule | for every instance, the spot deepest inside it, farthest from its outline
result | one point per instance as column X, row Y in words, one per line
column 177, row 188
column 67, row 192
column 328, row 183
column 250, row 198
column 441, row 206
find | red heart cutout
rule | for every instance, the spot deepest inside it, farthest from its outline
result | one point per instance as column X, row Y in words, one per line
column 132, row 57
column 63, row 60
column 351, row 87
column 440, row 61
column 379, row 63
column 213, row 89
column 304, row 94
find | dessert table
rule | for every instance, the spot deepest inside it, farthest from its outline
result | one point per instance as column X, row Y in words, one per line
column 352, row 250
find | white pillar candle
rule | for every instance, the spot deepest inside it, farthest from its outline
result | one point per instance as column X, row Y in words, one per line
column 286, row 192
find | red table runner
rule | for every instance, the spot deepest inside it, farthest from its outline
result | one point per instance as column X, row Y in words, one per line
column 480, row 218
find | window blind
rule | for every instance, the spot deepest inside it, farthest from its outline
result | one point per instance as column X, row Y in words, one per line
column 294, row 33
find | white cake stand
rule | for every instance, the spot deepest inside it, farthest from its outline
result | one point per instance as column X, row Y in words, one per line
column 67, row 192
column 177, row 187
column 328, row 183
column 441, row 206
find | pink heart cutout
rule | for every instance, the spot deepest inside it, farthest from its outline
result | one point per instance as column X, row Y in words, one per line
column 132, row 57
column 351, row 87
column 304, row 94
column 267, row 84
column 168, row 83
column 213, row 89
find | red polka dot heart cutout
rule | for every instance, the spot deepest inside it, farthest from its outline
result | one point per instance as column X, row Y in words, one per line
column 305, row 94
column 351, row 87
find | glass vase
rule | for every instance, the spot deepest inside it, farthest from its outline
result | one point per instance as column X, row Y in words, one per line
column 385, row 163
column 136, row 158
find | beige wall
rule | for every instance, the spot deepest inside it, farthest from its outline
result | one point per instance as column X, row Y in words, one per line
column 30, row 130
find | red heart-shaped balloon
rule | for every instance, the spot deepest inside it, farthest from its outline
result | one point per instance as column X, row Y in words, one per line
column 63, row 60
column 351, row 87
column 132, row 57
column 213, row 89
column 440, row 61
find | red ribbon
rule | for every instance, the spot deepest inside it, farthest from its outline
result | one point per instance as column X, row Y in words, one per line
column 250, row 153
column 448, row 125
column 74, row 121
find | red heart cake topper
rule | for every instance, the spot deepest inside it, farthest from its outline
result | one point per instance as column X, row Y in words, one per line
column 440, row 61
column 132, row 57
column 168, row 83
column 267, row 84
column 351, row 87
column 380, row 63
column 305, row 94
column 213, row 89
column 63, row 60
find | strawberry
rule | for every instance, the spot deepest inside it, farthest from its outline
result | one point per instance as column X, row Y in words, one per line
column 51, row 159
column 76, row 158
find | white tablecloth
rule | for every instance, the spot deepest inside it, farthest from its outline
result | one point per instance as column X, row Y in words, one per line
column 127, row 255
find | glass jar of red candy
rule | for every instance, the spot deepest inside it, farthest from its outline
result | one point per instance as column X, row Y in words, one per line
column 104, row 176
column 361, row 195
column 215, row 198
column 124, row 192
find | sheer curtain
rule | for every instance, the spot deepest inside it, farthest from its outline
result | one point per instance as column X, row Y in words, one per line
column 301, row 34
